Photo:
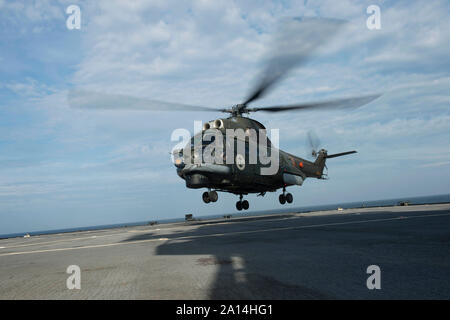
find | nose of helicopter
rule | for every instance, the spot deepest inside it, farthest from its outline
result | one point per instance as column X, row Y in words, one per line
column 178, row 159
column 179, row 163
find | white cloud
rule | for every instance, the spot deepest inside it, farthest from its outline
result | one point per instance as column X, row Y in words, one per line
column 208, row 53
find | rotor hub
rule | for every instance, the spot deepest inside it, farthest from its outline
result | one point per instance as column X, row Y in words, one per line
column 238, row 109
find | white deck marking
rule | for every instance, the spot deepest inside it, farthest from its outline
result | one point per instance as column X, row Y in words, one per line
column 226, row 234
column 56, row 241
column 436, row 207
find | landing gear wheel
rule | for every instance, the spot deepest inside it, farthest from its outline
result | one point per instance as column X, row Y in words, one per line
column 205, row 197
column 213, row 196
column 282, row 199
column 245, row 205
column 289, row 198
column 239, row 205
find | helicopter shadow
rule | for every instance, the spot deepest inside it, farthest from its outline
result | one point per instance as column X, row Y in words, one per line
column 247, row 266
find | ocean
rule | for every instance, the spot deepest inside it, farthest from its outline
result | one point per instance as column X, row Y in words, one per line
column 445, row 198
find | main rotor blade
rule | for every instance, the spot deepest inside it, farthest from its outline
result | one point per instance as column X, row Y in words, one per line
column 83, row 99
column 294, row 42
column 346, row 103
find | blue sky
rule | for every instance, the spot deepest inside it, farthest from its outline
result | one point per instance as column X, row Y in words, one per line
column 63, row 167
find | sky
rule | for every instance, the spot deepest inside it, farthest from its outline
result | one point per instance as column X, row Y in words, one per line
column 63, row 167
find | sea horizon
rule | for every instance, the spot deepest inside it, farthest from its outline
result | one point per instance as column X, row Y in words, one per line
column 417, row 200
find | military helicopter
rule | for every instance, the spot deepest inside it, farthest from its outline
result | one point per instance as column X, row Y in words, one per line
column 294, row 42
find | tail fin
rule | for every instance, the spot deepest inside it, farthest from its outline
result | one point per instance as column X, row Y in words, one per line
column 320, row 162
column 323, row 156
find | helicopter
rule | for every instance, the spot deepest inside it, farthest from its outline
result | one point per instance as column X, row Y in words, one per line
column 294, row 42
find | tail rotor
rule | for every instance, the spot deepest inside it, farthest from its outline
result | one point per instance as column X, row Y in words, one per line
column 313, row 142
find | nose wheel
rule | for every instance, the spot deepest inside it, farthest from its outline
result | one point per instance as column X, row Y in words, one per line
column 242, row 204
column 285, row 197
column 210, row 196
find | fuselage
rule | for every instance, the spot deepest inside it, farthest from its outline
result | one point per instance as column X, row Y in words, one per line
column 235, row 155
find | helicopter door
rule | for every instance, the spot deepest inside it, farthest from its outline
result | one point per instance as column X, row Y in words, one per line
column 242, row 170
